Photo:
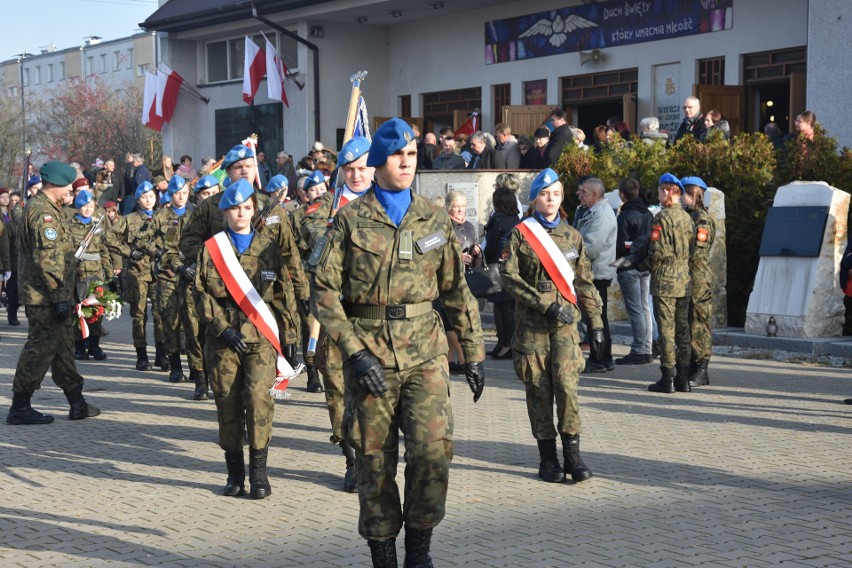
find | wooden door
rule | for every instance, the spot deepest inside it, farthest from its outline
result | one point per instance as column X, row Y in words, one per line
column 798, row 97
column 628, row 104
column 524, row 119
column 727, row 99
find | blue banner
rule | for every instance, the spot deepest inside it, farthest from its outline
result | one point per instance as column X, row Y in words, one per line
column 606, row 24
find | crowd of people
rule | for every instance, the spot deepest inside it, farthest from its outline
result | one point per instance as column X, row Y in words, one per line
column 242, row 262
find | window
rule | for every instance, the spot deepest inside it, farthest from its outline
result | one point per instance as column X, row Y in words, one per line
column 116, row 60
column 502, row 97
column 140, row 69
column 103, row 62
column 61, row 71
column 217, row 61
column 26, row 77
column 225, row 59
column 711, row 71
column 38, row 74
column 405, row 105
column 13, row 91
column 90, row 61
column 49, row 71
column 130, row 58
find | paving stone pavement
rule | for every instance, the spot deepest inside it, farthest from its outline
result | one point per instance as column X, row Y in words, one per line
column 752, row 471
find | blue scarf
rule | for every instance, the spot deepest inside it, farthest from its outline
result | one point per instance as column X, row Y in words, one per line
column 84, row 220
column 545, row 223
column 396, row 203
column 148, row 213
column 179, row 212
column 241, row 242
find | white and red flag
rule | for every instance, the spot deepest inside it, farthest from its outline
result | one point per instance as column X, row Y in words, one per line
column 251, row 142
column 276, row 73
column 253, row 71
column 168, row 85
column 150, row 118
column 469, row 127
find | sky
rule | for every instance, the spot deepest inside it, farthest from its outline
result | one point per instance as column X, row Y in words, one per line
column 67, row 22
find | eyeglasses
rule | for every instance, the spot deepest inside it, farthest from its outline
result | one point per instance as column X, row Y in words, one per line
column 688, row 106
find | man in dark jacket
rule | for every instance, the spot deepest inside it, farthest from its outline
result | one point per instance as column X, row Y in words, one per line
column 693, row 121
column 483, row 156
column 634, row 227
column 560, row 136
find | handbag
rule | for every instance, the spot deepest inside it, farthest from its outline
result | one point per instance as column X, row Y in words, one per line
column 484, row 280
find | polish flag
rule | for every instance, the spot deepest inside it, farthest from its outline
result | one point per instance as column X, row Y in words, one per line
column 253, row 71
column 251, row 142
column 168, row 85
column 150, row 118
column 469, row 127
column 276, row 72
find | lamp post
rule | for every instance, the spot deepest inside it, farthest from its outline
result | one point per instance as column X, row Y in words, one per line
column 21, row 57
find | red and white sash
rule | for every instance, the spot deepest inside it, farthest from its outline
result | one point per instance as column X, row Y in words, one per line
column 347, row 195
column 551, row 257
column 247, row 298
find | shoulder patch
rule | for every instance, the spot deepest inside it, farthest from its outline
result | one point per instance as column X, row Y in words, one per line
column 48, row 218
column 50, row 234
column 702, row 234
column 656, row 232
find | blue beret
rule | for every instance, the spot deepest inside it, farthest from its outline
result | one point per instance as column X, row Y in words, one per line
column 206, row 183
column 34, row 180
column 389, row 138
column 83, row 198
column 276, row 183
column 670, row 178
column 693, row 180
column 143, row 188
column 176, row 184
column 236, row 194
column 237, row 153
column 546, row 178
column 316, row 177
column 352, row 150
column 226, row 182
column 166, row 197
column 466, row 156
column 58, row 173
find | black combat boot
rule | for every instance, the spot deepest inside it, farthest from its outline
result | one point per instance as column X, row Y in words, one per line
column 417, row 548
column 160, row 359
column 22, row 413
column 80, row 351
column 12, row 316
column 236, row 485
column 95, row 350
column 383, row 553
column 350, row 480
column 200, row 380
column 681, row 380
column 260, row 488
column 80, row 409
column 176, row 369
column 142, row 363
column 549, row 468
column 699, row 377
column 574, row 465
column 666, row 382
column 314, row 383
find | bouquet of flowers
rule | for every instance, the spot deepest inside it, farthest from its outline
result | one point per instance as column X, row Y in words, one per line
column 100, row 303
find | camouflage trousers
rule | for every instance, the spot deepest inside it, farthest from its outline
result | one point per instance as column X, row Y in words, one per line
column 50, row 345
column 168, row 307
column 240, row 385
column 700, row 324
column 192, row 327
column 137, row 292
column 330, row 364
column 417, row 404
column 672, row 316
column 548, row 361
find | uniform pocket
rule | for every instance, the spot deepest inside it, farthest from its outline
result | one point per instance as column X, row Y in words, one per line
column 214, row 283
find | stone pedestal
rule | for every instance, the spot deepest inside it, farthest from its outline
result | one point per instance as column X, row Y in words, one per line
column 803, row 294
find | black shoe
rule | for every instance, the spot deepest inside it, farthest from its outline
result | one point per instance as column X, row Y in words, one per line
column 681, row 380
column 200, row 380
column 142, row 363
column 80, row 351
column 22, row 413
column 699, row 377
column 649, row 358
column 383, row 553
column 260, row 488
column 314, row 383
column 236, row 485
column 507, row 354
column 417, row 545
column 574, row 465
column 160, row 359
column 666, row 383
column 350, row 479
column 595, row 367
column 496, row 350
column 632, row 359
column 13, row 321
column 609, row 364
column 95, row 350
column 176, row 369
column 549, row 469
column 80, row 409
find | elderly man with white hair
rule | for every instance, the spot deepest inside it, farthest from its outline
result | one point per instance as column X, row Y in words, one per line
column 693, row 120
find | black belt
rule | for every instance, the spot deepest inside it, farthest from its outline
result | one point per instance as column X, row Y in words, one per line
column 388, row 312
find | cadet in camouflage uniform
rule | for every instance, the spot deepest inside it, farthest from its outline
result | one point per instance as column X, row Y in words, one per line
column 390, row 254
column 47, row 283
column 5, row 260
column 357, row 178
column 130, row 238
column 174, row 261
column 672, row 238
column 240, row 360
column 13, row 218
column 95, row 265
column 546, row 344
column 701, row 308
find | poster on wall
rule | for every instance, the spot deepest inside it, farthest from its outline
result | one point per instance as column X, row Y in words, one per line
column 603, row 24
column 668, row 98
column 535, row 92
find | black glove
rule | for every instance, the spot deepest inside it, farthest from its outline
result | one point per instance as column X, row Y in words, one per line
column 62, row 311
column 306, row 306
column 369, row 373
column 290, row 354
column 234, row 340
column 475, row 375
column 596, row 341
column 187, row 273
column 136, row 256
column 557, row 313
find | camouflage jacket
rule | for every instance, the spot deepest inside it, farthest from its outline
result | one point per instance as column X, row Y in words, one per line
column 525, row 278
column 46, row 263
column 97, row 263
column 369, row 261
column 132, row 232
column 672, row 238
column 705, row 234
column 164, row 226
column 264, row 266
column 172, row 258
